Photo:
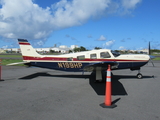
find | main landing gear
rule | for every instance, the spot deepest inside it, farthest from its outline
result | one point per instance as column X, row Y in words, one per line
column 139, row 75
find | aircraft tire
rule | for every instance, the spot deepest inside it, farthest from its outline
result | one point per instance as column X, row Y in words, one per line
column 139, row 76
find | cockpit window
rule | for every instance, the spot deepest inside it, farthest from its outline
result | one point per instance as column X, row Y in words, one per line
column 115, row 54
column 105, row 55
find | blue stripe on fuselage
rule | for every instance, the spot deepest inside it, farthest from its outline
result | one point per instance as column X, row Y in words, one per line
column 79, row 66
column 64, row 66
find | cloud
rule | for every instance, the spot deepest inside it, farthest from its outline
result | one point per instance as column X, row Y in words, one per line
column 77, row 12
column 109, row 44
column 40, row 43
column 130, row 4
column 121, row 48
column 25, row 19
column 101, row 38
column 5, row 47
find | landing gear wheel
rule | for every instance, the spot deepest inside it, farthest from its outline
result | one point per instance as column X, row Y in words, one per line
column 139, row 76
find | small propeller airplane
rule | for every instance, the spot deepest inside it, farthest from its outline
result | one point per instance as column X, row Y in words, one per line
column 94, row 60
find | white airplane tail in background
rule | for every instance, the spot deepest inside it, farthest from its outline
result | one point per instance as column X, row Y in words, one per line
column 27, row 49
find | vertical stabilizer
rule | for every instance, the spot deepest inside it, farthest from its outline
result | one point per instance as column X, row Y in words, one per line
column 27, row 49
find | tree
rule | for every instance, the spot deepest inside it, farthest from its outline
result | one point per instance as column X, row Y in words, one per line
column 81, row 48
column 97, row 48
column 76, row 49
column 70, row 51
column 52, row 51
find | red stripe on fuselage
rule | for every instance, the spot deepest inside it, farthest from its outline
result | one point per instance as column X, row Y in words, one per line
column 45, row 58
column 75, row 59
column 24, row 43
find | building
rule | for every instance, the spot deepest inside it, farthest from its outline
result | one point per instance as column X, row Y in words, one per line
column 144, row 51
column 61, row 49
column 2, row 50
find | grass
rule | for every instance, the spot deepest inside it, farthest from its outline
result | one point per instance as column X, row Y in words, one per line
column 8, row 61
column 157, row 58
column 155, row 54
column 15, row 56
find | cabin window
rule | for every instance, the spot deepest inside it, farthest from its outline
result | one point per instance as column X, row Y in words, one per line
column 105, row 55
column 69, row 59
column 82, row 57
column 93, row 56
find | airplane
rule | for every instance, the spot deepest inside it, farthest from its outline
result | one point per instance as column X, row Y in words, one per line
column 94, row 60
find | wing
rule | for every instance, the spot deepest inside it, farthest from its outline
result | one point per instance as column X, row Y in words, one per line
column 103, row 65
column 26, row 63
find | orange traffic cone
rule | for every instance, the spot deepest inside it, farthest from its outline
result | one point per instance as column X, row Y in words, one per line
column 108, row 88
column 108, row 100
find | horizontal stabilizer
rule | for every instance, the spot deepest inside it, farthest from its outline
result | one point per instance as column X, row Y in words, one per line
column 17, row 63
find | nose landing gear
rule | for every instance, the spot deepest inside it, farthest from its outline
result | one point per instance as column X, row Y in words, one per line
column 139, row 75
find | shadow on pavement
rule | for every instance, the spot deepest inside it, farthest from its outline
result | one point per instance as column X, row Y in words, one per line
column 44, row 74
column 99, row 88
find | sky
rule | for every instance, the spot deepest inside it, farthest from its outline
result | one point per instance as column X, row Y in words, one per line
column 109, row 24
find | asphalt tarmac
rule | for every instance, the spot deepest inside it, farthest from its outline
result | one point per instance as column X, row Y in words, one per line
column 43, row 94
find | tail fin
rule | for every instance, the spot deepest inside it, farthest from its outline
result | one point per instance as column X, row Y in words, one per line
column 27, row 49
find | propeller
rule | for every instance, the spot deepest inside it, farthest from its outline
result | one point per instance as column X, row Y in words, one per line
column 149, row 52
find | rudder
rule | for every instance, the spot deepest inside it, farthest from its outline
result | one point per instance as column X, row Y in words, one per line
column 27, row 49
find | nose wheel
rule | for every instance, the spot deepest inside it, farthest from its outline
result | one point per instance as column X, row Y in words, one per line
column 139, row 76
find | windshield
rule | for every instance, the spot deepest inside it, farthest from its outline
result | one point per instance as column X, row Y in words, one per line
column 115, row 54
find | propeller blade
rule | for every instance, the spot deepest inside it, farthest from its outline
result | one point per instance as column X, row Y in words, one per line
column 152, row 63
column 149, row 52
column 149, row 49
column 151, row 57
